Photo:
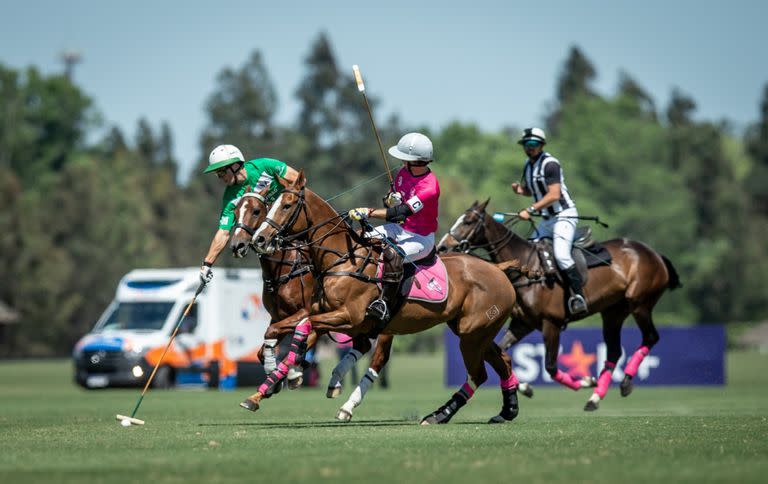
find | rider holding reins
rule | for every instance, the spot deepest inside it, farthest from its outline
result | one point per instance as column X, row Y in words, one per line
column 412, row 210
column 543, row 179
column 229, row 165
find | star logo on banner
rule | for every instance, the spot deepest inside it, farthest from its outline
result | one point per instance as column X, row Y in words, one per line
column 577, row 361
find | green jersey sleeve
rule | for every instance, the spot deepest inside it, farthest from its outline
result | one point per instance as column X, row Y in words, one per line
column 227, row 217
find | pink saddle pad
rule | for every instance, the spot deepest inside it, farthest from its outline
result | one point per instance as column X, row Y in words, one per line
column 431, row 284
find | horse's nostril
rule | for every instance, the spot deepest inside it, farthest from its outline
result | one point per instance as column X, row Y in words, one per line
column 260, row 240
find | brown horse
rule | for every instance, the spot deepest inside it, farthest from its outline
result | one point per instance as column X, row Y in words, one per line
column 287, row 294
column 632, row 284
column 480, row 297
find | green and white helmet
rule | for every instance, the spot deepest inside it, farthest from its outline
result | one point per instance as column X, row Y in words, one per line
column 223, row 155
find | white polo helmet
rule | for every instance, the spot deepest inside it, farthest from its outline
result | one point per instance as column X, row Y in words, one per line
column 223, row 155
column 533, row 134
column 413, row 147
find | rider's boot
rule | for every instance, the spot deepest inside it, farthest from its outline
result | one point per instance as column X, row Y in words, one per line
column 577, row 303
column 384, row 308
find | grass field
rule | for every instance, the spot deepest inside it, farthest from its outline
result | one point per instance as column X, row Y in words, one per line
column 52, row 431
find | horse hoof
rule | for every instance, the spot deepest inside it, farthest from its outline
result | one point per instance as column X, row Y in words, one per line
column 500, row 419
column 249, row 404
column 588, row 382
column 333, row 392
column 296, row 382
column 429, row 420
column 343, row 415
column 526, row 390
column 626, row 386
column 592, row 404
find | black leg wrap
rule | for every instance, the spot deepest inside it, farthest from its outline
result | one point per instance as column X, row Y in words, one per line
column 509, row 407
column 445, row 413
column 275, row 384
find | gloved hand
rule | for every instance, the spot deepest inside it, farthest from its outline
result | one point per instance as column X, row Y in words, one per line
column 358, row 214
column 393, row 199
column 206, row 274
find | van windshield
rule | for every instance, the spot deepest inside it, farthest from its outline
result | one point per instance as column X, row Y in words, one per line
column 141, row 316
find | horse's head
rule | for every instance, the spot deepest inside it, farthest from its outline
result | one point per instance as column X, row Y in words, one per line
column 287, row 216
column 467, row 231
column 250, row 212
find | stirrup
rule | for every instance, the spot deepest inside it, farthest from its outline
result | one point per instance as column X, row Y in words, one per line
column 577, row 304
column 378, row 309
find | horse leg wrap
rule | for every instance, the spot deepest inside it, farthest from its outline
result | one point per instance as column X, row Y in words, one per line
column 270, row 355
column 605, row 379
column 346, row 364
column 294, row 355
column 566, row 379
column 445, row 413
column 362, row 388
column 634, row 363
column 510, row 383
column 510, row 407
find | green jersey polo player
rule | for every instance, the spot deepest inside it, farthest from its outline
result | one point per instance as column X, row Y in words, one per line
column 237, row 174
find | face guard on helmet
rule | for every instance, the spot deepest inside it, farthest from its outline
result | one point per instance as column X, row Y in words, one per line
column 223, row 155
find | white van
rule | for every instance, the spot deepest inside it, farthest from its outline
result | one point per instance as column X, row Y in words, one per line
column 216, row 345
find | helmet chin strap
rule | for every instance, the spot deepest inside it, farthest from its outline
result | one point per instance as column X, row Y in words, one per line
column 415, row 164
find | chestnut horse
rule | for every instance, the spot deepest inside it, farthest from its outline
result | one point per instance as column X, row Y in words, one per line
column 480, row 296
column 631, row 284
column 288, row 288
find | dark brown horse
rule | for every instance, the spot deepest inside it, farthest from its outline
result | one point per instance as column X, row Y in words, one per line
column 480, row 297
column 287, row 294
column 632, row 284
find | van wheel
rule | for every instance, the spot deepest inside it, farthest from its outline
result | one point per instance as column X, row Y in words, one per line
column 163, row 378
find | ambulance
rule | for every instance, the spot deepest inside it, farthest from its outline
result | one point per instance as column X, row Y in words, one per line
column 216, row 345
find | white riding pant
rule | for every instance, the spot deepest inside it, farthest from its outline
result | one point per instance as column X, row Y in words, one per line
column 560, row 229
column 414, row 246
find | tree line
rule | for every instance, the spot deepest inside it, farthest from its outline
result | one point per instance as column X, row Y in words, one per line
column 77, row 215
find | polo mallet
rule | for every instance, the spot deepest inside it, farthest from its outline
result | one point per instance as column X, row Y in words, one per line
column 132, row 419
column 361, row 88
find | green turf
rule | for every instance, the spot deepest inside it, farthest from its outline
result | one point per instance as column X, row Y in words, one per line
column 52, row 431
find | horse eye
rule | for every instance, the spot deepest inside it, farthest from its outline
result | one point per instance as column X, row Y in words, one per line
column 286, row 206
column 256, row 212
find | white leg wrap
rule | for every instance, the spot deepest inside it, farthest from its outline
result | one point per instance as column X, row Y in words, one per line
column 362, row 388
column 270, row 355
column 343, row 368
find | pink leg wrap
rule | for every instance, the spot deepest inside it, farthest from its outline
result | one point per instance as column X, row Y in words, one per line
column 467, row 390
column 634, row 363
column 605, row 379
column 567, row 380
column 299, row 335
column 510, row 382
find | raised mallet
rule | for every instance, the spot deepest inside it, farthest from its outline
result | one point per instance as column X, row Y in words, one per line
column 361, row 88
column 132, row 420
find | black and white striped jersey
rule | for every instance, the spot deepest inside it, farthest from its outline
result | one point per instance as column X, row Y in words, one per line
column 542, row 172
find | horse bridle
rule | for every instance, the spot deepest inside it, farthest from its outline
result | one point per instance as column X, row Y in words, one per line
column 465, row 244
column 239, row 225
column 279, row 237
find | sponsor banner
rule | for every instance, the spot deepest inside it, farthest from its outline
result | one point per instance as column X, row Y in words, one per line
column 683, row 356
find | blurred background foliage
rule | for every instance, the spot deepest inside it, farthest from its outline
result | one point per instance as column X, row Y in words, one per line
column 78, row 214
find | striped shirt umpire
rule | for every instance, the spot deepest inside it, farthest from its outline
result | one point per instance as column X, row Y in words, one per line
column 541, row 173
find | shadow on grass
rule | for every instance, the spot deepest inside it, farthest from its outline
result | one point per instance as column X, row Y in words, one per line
column 304, row 425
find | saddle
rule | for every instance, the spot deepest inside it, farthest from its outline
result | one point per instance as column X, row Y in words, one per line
column 586, row 253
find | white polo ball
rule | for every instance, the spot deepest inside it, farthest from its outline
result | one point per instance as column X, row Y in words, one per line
column 125, row 423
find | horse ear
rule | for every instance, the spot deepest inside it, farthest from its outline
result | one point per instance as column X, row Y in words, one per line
column 300, row 179
column 484, row 204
